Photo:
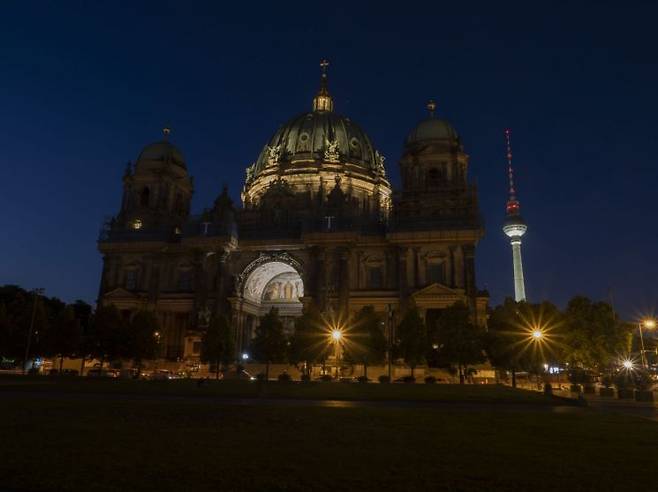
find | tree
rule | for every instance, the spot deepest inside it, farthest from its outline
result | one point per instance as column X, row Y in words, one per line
column 143, row 340
column 594, row 336
column 460, row 342
column 269, row 342
column 509, row 341
column 218, row 344
column 309, row 342
column 366, row 343
column 109, row 334
column 63, row 338
column 412, row 338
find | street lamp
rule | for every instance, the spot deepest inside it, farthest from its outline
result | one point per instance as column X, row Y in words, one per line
column 37, row 293
column 649, row 324
column 337, row 337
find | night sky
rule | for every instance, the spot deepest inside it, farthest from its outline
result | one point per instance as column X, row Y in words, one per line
column 83, row 87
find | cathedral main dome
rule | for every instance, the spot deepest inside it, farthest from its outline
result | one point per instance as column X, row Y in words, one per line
column 316, row 149
column 318, row 136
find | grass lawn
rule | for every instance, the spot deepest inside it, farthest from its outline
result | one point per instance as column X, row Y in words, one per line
column 254, row 389
column 95, row 437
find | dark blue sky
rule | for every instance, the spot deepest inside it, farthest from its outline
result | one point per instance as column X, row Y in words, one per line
column 84, row 86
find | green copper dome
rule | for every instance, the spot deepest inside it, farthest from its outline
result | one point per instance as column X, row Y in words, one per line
column 322, row 136
column 433, row 129
column 163, row 151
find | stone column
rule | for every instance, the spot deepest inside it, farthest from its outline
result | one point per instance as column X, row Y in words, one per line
column 403, row 287
column 416, row 267
column 469, row 270
column 221, row 305
column 344, row 278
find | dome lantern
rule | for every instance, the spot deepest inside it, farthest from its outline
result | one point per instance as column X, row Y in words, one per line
column 323, row 101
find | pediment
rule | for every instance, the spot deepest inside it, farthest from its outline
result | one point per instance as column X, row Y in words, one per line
column 436, row 290
column 120, row 293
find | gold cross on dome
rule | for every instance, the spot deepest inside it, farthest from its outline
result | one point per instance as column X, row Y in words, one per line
column 323, row 65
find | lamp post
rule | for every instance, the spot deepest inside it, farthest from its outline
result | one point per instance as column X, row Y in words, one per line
column 337, row 336
column 649, row 324
column 37, row 293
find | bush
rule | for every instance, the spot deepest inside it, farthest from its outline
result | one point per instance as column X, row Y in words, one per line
column 284, row 377
column 384, row 379
column 305, row 378
column 261, row 376
column 409, row 379
column 326, row 377
column 362, row 379
column 430, row 380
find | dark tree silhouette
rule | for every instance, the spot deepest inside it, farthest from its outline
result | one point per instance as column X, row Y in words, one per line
column 269, row 342
column 218, row 344
column 412, row 338
column 365, row 341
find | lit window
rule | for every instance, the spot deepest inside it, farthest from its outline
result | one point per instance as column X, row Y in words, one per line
column 137, row 224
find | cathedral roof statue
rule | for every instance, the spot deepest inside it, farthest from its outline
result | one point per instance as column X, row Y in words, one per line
column 163, row 151
column 433, row 129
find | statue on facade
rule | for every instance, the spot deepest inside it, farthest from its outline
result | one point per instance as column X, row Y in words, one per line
column 379, row 163
column 251, row 172
column 331, row 152
column 273, row 154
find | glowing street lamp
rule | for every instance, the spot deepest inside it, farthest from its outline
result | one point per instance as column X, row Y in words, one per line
column 628, row 364
column 537, row 334
column 337, row 335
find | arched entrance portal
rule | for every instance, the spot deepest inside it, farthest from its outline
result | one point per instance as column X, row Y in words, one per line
column 266, row 283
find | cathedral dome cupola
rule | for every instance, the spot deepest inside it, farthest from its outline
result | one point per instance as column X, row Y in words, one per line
column 433, row 129
column 163, row 152
column 323, row 101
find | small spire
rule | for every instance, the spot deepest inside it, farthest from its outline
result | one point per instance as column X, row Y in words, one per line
column 431, row 107
column 323, row 101
column 166, row 131
column 513, row 205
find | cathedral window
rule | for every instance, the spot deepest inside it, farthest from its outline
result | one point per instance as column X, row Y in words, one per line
column 144, row 197
column 131, row 279
column 185, row 280
column 435, row 273
column 375, row 277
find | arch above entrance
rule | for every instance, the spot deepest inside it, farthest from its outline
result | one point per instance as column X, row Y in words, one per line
column 252, row 282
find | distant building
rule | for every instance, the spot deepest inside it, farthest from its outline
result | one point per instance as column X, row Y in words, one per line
column 319, row 223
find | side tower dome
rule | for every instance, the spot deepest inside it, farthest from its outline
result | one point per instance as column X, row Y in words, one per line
column 157, row 191
column 434, row 172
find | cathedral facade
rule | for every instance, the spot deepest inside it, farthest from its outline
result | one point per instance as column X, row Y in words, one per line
column 319, row 223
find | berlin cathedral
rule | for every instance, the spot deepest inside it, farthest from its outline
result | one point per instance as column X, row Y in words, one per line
column 319, row 223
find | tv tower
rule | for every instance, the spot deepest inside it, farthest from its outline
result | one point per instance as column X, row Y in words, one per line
column 514, row 226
